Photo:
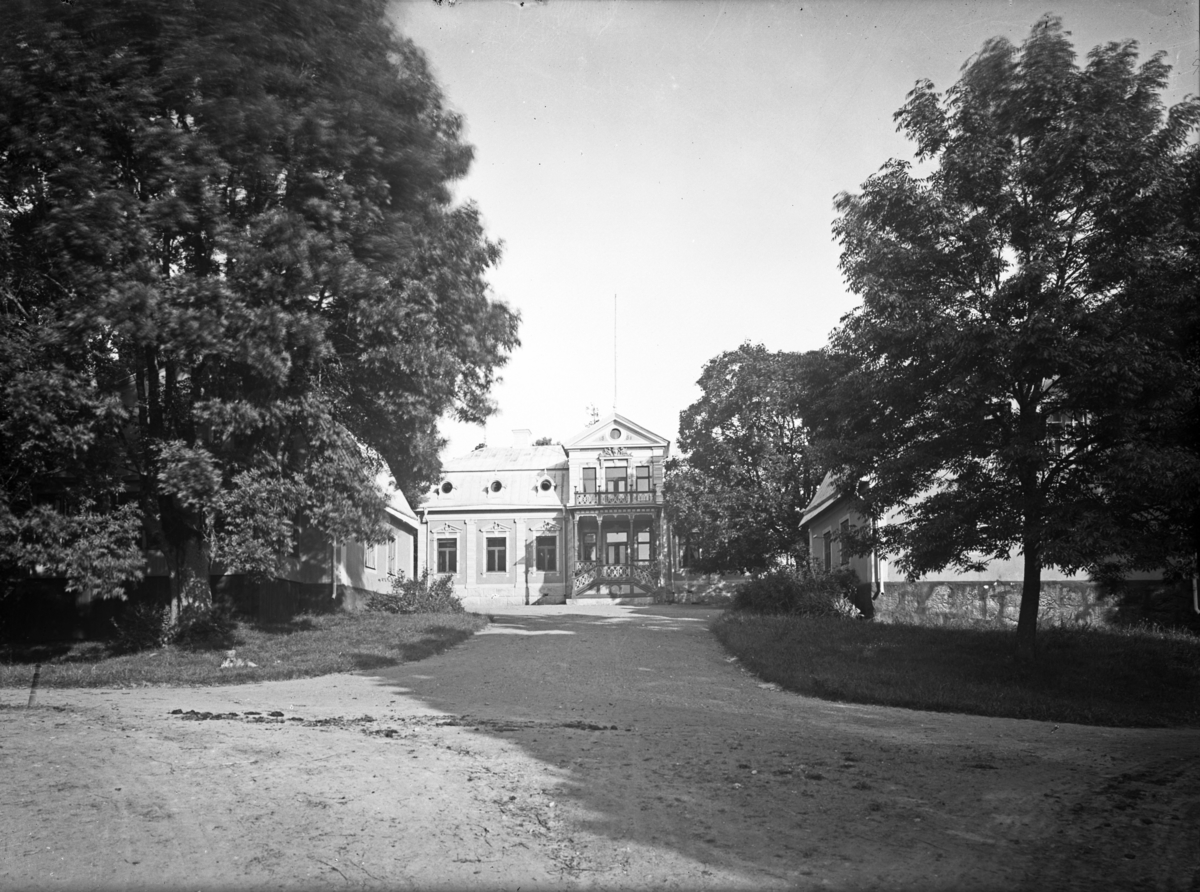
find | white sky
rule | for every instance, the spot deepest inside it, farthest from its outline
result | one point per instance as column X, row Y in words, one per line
column 684, row 157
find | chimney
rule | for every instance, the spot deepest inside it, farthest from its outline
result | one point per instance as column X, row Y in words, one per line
column 521, row 438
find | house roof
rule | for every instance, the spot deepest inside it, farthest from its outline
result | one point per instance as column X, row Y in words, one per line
column 593, row 434
column 398, row 505
column 523, row 458
column 827, row 493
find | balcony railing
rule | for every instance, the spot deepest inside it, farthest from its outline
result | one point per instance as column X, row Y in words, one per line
column 629, row 497
column 588, row 572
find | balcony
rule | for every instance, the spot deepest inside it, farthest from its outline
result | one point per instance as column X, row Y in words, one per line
column 628, row 497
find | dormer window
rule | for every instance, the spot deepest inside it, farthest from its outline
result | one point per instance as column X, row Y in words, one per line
column 446, row 488
column 546, row 484
column 496, row 486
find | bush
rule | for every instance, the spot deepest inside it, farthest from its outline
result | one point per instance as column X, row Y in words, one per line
column 429, row 594
column 148, row 626
column 141, row 627
column 802, row 591
column 202, row 627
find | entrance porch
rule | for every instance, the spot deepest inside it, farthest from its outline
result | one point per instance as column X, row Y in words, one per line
column 615, row 554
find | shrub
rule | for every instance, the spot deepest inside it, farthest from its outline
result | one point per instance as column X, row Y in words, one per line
column 141, row 627
column 148, row 626
column 204, row 626
column 799, row 591
column 428, row 594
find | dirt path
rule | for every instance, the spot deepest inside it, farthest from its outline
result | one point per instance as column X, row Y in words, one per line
column 614, row 748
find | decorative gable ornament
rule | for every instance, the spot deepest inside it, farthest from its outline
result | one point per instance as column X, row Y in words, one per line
column 496, row 528
column 446, row 528
column 609, row 451
column 547, row 526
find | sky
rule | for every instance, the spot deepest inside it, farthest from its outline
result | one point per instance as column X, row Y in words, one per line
column 662, row 173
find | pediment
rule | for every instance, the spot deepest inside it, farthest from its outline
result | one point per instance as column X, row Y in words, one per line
column 615, row 431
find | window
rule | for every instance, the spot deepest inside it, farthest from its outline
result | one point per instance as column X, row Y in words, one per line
column 589, row 479
column 368, row 556
column 546, row 554
column 589, row 547
column 546, row 485
column 828, row 550
column 616, row 547
column 497, row 554
column 391, row 556
column 447, row 487
column 616, row 479
column 643, row 478
column 496, row 486
column 614, row 434
column 447, row 555
column 641, row 549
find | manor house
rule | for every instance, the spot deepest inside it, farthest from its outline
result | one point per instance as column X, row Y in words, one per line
column 550, row 524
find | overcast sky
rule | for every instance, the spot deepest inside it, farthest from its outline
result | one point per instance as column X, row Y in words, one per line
column 684, row 157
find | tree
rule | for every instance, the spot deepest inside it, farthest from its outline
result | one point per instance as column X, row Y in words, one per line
column 233, row 277
column 545, row 441
column 1011, row 349
column 749, row 472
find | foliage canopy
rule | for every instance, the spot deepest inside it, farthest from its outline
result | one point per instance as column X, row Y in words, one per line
column 749, row 472
column 1012, row 370
column 235, row 285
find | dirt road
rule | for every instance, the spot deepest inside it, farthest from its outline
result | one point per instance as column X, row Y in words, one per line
column 612, row 748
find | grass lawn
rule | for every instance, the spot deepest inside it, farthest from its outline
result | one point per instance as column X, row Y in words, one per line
column 1134, row 678
column 307, row 646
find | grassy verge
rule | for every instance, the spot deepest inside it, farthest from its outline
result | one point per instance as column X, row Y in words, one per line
column 306, row 647
column 1132, row 678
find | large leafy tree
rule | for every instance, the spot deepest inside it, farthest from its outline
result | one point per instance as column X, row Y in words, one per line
column 1013, row 369
column 748, row 472
column 234, row 282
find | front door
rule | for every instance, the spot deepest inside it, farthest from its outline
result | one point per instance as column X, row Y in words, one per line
column 616, row 547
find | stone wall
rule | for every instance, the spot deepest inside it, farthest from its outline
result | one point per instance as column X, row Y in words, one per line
column 1068, row 603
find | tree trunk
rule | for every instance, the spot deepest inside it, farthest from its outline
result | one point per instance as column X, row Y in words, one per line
column 188, row 561
column 1031, row 596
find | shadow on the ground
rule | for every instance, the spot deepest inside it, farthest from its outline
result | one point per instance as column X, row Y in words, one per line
column 647, row 694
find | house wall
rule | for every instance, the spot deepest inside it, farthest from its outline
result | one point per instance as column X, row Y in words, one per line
column 520, row 582
column 364, row 569
column 992, row 594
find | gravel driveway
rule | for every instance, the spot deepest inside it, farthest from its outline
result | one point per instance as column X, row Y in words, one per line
column 607, row 747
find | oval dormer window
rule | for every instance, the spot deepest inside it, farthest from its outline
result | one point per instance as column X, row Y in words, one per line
column 546, row 485
column 447, row 487
column 614, row 434
column 496, row 486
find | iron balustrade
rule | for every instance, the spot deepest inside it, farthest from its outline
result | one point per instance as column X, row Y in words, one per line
column 608, row 497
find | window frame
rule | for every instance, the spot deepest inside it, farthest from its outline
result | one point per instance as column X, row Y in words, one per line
column 589, row 480
column 543, row 547
column 640, row 478
column 448, row 567
column 616, row 479
column 496, row 554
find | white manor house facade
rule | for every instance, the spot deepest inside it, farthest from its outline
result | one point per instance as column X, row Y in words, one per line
column 551, row 524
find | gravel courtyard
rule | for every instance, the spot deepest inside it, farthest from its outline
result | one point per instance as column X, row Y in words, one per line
column 565, row 747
